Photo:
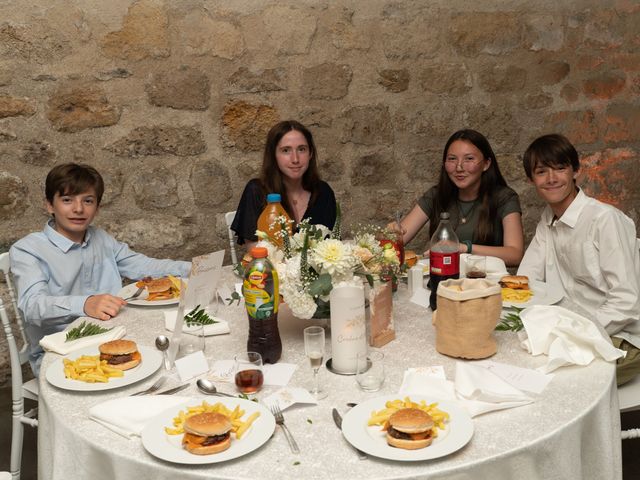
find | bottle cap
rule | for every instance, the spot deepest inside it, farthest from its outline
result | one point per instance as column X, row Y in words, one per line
column 259, row 252
column 274, row 197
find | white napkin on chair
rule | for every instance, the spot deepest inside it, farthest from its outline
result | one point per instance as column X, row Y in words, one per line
column 128, row 416
column 476, row 389
column 565, row 336
column 56, row 341
column 220, row 328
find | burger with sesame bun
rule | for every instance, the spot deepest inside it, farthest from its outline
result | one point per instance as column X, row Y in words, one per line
column 410, row 428
column 206, row 433
column 120, row 354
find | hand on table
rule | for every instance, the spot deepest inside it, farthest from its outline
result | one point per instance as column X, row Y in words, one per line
column 103, row 307
column 395, row 227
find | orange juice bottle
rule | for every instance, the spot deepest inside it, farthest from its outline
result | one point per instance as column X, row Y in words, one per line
column 267, row 219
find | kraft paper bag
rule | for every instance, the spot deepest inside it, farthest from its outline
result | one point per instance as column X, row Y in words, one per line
column 468, row 312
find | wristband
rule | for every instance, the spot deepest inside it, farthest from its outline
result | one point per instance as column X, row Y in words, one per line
column 468, row 244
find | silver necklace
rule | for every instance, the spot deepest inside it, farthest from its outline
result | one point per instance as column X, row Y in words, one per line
column 464, row 216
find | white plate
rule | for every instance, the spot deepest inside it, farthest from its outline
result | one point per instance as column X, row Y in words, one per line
column 151, row 361
column 496, row 268
column 543, row 294
column 372, row 440
column 130, row 289
column 169, row 447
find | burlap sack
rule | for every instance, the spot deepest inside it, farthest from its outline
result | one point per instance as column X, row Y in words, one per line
column 468, row 311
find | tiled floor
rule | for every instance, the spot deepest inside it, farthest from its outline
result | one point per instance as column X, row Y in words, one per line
column 630, row 448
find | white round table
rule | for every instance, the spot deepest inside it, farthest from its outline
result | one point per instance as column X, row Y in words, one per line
column 572, row 431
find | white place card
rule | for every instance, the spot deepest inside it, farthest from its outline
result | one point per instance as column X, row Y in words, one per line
column 285, row 397
column 277, row 374
column 192, row 365
column 525, row 379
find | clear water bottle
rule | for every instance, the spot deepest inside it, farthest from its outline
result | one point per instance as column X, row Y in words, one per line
column 444, row 257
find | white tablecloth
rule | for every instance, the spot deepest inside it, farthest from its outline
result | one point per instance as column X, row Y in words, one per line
column 571, row 432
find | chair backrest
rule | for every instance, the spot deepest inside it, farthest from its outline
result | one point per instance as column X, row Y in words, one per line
column 5, row 268
column 228, row 218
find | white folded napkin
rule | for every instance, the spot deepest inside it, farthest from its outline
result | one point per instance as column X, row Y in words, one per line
column 128, row 416
column 476, row 389
column 220, row 328
column 56, row 341
column 565, row 336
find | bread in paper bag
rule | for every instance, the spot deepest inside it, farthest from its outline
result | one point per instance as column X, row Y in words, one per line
column 468, row 312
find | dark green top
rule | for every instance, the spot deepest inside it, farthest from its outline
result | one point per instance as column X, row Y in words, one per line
column 508, row 202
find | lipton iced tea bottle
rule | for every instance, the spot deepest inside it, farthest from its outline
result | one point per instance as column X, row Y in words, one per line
column 444, row 257
column 267, row 219
column 261, row 298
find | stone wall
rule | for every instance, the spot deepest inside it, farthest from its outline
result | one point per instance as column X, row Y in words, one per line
column 171, row 101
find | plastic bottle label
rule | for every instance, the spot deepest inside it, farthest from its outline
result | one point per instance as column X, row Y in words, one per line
column 444, row 263
column 259, row 302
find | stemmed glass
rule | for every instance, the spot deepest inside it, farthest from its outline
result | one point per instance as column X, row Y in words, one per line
column 314, row 349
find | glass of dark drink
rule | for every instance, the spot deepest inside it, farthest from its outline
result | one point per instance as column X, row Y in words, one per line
column 248, row 372
column 476, row 266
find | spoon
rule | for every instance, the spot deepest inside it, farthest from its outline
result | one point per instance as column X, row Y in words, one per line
column 207, row 387
column 162, row 344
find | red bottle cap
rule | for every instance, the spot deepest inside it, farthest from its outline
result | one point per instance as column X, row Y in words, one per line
column 259, row 252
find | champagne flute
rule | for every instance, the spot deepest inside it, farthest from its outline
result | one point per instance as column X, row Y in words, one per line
column 314, row 349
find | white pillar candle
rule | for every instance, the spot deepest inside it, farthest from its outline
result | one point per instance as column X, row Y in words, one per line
column 348, row 329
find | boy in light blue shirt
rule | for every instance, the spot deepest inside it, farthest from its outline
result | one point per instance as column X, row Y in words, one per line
column 71, row 268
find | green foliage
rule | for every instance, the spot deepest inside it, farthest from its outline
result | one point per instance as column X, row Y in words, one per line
column 198, row 316
column 511, row 322
column 336, row 233
column 85, row 330
column 235, row 297
column 321, row 286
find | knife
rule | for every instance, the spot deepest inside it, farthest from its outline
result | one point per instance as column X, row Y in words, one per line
column 173, row 390
column 338, row 421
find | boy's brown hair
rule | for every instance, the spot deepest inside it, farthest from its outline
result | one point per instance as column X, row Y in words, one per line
column 73, row 179
column 553, row 150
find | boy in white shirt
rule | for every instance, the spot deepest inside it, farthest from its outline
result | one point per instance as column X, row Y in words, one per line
column 586, row 247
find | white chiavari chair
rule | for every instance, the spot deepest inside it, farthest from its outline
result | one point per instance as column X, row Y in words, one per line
column 228, row 218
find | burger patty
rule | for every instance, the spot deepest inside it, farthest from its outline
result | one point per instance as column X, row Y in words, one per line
column 407, row 436
column 117, row 359
column 215, row 439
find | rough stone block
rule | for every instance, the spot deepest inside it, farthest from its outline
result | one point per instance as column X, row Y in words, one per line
column 368, row 125
column 160, row 140
column 621, row 123
column 579, row 126
column 75, row 108
column 502, row 78
column 244, row 80
column 368, row 170
column 536, row 101
column 199, row 34
column 153, row 234
column 144, row 33
column 448, row 78
column 184, row 89
column 395, row 81
column 410, row 37
column 112, row 74
column 344, row 34
column 210, row 183
column 13, row 196
column 495, row 33
column 35, row 42
column 549, row 72
column 7, row 136
column 38, row 153
column 544, row 32
column 604, row 85
column 155, row 188
column 246, row 124
column 283, row 30
column 327, row 81
column 13, row 106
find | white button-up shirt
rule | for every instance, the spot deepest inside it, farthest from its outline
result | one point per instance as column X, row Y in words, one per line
column 54, row 277
column 592, row 254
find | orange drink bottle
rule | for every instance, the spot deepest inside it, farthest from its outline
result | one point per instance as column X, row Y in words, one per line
column 267, row 219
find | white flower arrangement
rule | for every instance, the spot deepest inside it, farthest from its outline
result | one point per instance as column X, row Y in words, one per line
column 313, row 260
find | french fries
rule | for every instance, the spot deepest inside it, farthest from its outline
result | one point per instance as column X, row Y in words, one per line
column 381, row 417
column 516, row 296
column 238, row 426
column 90, row 369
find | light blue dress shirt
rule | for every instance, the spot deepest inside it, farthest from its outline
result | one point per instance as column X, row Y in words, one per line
column 54, row 277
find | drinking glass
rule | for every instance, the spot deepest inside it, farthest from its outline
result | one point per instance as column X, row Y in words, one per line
column 191, row 340
column 248, row 372
column 476, row 266
column 370, row 370
column 314, row 349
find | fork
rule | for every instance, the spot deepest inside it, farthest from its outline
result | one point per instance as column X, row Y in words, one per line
column 277, row 413
column 135, row 295
column 153, row 388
